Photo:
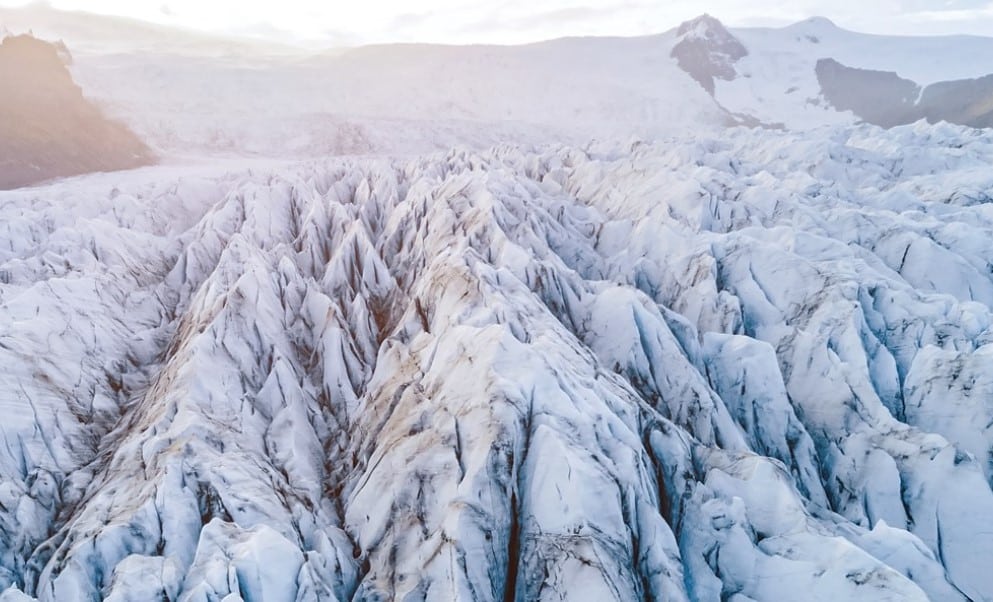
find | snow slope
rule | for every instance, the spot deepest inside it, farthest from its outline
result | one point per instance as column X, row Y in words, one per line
column 402, row 98
column 706, row 368
column 777, row 81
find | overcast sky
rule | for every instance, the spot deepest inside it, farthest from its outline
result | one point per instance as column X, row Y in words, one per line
column 512, row 21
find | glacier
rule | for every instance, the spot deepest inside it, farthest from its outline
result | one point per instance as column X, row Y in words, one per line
column 749, row 366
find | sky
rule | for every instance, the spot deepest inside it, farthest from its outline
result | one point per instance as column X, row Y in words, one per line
column 336, row 22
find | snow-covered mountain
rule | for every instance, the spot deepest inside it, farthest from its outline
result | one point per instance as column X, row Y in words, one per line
column 190, row 94
column 400, row 98
column 685, row 361
column 814, row 72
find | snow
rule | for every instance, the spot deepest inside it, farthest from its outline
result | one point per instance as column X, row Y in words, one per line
column 372, row 99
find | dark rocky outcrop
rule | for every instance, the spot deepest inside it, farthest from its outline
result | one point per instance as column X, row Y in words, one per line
column 707, row 50
column 879, row 97
column 967, row 102
column 48, row 128
column 885, row 99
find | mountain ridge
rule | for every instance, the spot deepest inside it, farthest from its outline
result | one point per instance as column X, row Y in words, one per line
column 300, row 103
column 49, row 129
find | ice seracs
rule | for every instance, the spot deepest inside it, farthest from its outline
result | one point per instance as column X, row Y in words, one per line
column 698, row 369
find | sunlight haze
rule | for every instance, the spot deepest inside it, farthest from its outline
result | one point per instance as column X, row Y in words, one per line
column 516, row 21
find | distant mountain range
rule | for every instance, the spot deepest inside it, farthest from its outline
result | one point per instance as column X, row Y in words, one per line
column 186, row 93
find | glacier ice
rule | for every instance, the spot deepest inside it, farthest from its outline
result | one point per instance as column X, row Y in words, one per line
column 730, row 368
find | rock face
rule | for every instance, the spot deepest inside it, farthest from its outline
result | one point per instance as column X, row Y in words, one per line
column 706, row 50
column 48, row 128
column 968, row 102
column 885, row 99
column 878, row 97
column 710, row 369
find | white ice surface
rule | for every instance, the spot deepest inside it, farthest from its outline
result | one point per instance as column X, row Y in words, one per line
column 701, row 368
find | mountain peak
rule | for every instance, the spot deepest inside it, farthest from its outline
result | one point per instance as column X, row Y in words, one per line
column 704, row 26
column 820, row 23
column 707, row 50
